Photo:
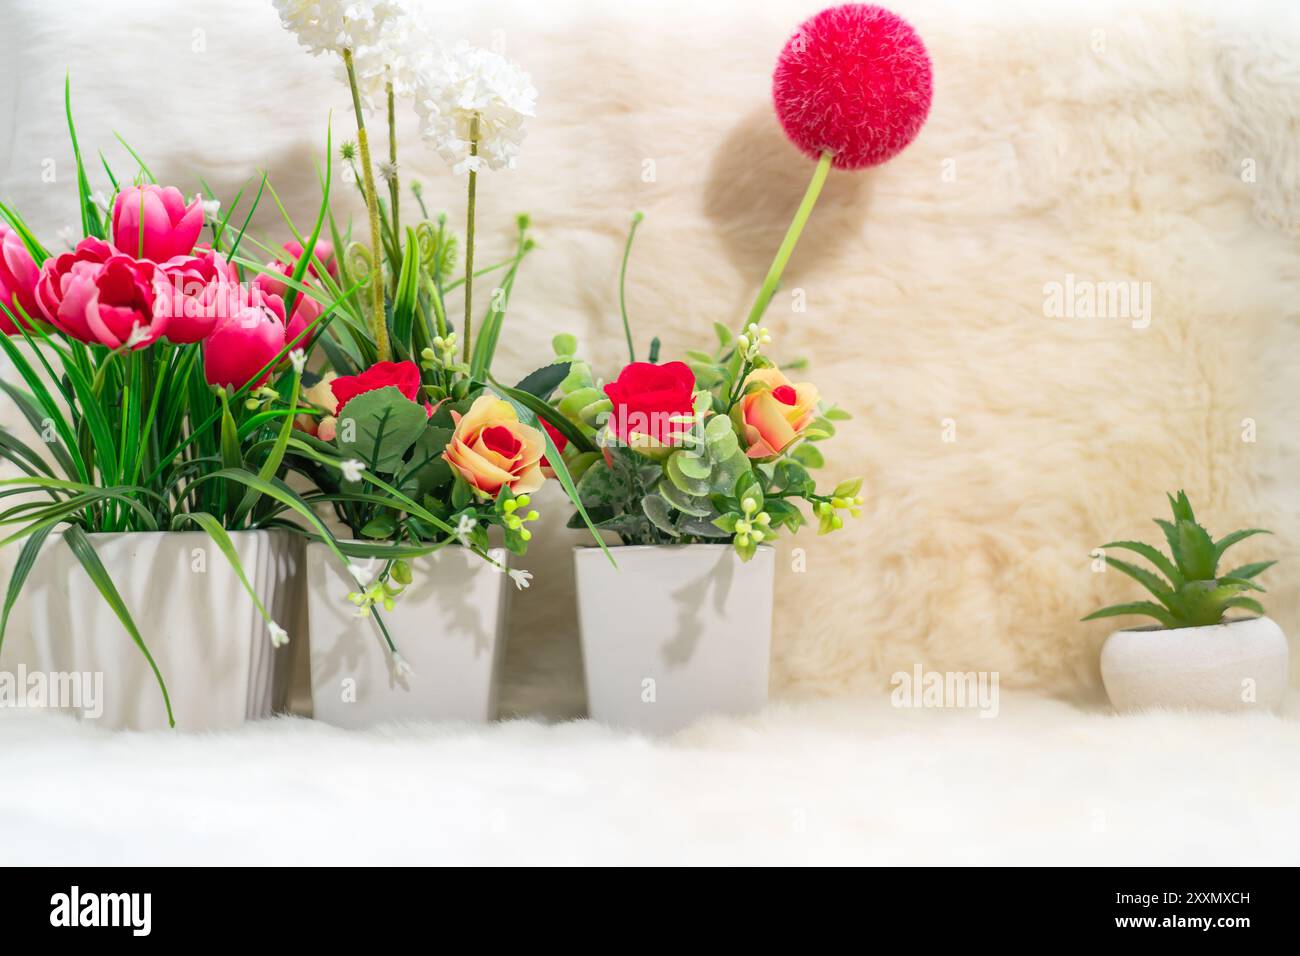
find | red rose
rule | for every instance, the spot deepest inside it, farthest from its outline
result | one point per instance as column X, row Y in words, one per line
column 403, row 376
column 646, row 398
column 561, row 443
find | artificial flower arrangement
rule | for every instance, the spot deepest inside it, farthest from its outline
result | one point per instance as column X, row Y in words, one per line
column 160, row 367
column 1198, row 656
column 704, row 462
column 439, row 452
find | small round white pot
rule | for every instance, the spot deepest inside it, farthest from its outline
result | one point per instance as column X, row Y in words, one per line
column 1238, row 665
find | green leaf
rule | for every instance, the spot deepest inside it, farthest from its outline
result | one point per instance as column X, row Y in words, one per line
column 1146, row 608
column 543, row 381
column 1251, row 570
column 693, row 465
column 848, row 488
column 91, row 225
column 701, row 528
column 727, row 522
column 85, row 553
column 723, row 333
column 1226, row 542
column 272, row 463
column 1148, row 580
column 657, row 510
column 18, row 577
column 379, row 427
column 408, row 289
column 231, row 456
column 809, row 457
column 602, row 485
column 1199, row 556
column 1249, row 603
column 696, row 507
column 1243, row 584
column 1181, row 507
column 222, row 540
column 1153, row 555
column 381, row 527
column 694, row 487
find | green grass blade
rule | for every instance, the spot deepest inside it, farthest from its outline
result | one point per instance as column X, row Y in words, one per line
column 22, row 568
column 85, row 553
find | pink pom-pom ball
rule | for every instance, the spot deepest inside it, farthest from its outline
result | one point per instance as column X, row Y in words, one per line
column 854, row 80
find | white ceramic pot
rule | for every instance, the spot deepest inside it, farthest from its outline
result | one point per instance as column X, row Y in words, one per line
column 1240, row 665
column 448, row 625
column 675, row 633
column 199, row 623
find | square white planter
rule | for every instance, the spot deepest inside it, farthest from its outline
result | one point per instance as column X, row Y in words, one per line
column 448, row 625
column 199, row 623
column 675, row 633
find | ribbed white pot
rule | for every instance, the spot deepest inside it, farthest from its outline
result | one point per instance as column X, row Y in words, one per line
column 675, row 633
column 1240, row 665
column 199, row 623
column 448, row 625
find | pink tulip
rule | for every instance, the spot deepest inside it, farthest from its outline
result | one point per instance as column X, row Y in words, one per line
column 324, row 251
column 18, row 277
column 170, row 227
column 300, row 325
column 102, row 297
column 241, row 345
column 198, row 292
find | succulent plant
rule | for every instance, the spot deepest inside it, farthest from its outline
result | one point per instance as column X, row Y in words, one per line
column 1191, row 592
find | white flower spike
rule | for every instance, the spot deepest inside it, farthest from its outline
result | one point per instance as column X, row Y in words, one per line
column 521, row 578
column 279, row 636
column 352, row 469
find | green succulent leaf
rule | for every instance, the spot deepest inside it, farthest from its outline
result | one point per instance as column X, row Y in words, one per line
column 1226, row 542
column 1254, row 569
column 1148, row 580
column 1248, row 603
column 1198, row 555
column 1153, row 555
column 1146, row 608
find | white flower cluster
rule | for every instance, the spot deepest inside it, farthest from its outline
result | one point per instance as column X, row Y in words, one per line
column 331, row 26
column 455, row 86
column 387, row 41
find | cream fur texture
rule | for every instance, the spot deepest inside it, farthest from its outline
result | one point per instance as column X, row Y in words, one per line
column 1146, row 141
column 826, row 782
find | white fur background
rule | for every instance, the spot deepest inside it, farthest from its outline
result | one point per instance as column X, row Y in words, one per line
column 1104, row 140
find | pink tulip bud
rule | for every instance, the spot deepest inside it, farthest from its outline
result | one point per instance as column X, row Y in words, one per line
column 18, row 277
column 170, row 228
column 241, row 345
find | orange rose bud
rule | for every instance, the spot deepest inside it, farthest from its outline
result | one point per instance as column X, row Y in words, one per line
column 772, row 417
column 492, row 449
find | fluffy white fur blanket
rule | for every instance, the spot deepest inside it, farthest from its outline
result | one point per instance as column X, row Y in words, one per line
column 1044, row 783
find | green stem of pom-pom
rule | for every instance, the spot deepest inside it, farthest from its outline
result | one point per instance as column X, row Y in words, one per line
column 791, row 238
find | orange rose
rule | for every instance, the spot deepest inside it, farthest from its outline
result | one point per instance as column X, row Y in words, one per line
column 774, row 416
column 492, row 449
